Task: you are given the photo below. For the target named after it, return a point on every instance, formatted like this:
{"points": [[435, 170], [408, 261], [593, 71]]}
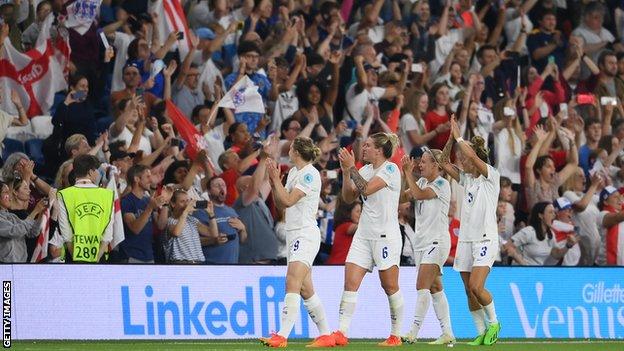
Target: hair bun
{"points": [[478, 141]]}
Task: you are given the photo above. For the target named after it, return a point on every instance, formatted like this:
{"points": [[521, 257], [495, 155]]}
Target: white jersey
{"points": [[478, 215], [432, 223], [379, 219], [303, 213]]}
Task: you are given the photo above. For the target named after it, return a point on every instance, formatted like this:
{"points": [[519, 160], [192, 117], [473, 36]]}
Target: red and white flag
{"points": [[37, 74], [118, 229], [41, 249], [171, 18], [81, 14], [194, 140]]}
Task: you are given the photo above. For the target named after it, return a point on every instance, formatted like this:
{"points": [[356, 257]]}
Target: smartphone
{"points": [[585, 99], [175, 142], [563, 107], [201, 204], [231, 237], [509, 112], [417, 67], [551, 59], [608, 100], [331, 174], [180, 35], [79, 95], [140, 91]]}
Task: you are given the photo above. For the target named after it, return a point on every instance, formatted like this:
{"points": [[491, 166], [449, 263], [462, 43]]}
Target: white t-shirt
{"points": [[303, 213], [588, 229], [443, 47], [513, 25], [356, 103], [508, 160], [534, 252], [215, 138], [145, 145], [409, 123], [285, 106], [591, 37], [121, 42], [478, 215], [379, 219], [431, 216]]}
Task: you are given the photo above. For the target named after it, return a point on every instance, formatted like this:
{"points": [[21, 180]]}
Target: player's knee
{"points": [[306, 292], [474, 288], [435, 287], [390, 288]]}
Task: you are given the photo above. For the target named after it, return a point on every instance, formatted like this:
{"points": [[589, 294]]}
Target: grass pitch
{"points": [[359, 344]]}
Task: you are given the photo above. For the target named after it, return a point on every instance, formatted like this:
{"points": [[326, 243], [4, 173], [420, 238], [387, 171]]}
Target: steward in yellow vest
{"points": [[85, 216]]}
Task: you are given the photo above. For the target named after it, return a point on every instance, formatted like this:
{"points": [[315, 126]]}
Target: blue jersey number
{"points": [[384, 252], [483, 251]]}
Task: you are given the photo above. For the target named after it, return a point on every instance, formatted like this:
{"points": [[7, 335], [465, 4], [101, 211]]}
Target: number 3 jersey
{"points": [[379, 219], [303, 213], [478, 214], [432, 221]]}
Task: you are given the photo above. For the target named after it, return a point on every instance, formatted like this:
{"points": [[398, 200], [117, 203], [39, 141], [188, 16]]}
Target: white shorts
{"points": [[368, 253], [475, 254], [303, 245], [433, 254]]}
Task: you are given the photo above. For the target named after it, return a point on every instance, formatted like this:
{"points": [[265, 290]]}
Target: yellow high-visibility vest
{"points": [[89, 212]]}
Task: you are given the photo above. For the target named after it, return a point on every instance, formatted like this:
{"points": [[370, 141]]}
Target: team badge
{"points": [[390, 168], [307, 178]]}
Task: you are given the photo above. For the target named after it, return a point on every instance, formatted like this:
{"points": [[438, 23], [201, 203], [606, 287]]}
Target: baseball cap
{"points": [[606, 192], [562, 203], [205, 33], [417, 152]]}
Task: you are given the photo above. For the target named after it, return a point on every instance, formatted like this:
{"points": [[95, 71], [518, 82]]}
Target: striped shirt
{"points": [[186, 246]]}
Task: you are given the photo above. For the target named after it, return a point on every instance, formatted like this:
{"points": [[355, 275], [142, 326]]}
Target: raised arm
{"points": [[414, 190], [532, 157], [467, 150], [283, 198]]}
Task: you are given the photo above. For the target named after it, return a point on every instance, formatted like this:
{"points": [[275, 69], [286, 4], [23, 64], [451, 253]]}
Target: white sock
{"points": [[347, 308], [491, 312], [478, 317], [423, 298], [396, 312], [317, 313], [441, 308], [290, 313]]}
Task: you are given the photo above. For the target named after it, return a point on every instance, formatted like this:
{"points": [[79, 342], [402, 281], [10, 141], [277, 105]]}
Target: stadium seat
{"points": [[42, 126], [11, 146], [34, 150]]}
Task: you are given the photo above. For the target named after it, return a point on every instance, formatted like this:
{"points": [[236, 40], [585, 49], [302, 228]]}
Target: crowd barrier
{"points": [[228, 302]]}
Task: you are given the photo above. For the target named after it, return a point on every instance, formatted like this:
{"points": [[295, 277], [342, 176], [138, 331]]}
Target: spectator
{"points": [[80, 231], [187, 92], [611, 216], [606, 84], [185, 234], [232, 231], [595, 37], [546, 42], [345, 224], [214, 134], [133, 87], [542, 181], [261, 245], [585, 206], [139, 210], [14, 230], [31, 33], [533, 245], [439, 114], [249, 55], [565, 232], [75, 115], [593, 133], [412, 125], [509, 139]]}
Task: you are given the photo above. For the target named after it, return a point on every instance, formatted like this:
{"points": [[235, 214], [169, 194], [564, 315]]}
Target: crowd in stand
{"points": [[540, 81]]}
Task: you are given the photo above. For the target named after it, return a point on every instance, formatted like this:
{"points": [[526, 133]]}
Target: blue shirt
{"points": [[159, 80], [228, 252], [584, 154], [139, 245], [251, 119]]}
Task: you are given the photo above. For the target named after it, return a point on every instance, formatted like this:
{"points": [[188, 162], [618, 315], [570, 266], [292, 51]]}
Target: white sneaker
{"points": [[444, 339], [409, 339]]}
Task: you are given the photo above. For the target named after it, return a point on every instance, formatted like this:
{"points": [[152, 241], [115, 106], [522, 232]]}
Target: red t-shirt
{"points": [[230, 177], [342, 243], [432, 120]]}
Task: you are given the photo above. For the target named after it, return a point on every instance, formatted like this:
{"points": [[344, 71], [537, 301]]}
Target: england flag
{"points": [[243, 97]]}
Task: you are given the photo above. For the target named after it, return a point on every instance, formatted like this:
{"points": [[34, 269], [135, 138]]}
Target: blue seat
{"points": [[11, 146], [34, 149]]}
